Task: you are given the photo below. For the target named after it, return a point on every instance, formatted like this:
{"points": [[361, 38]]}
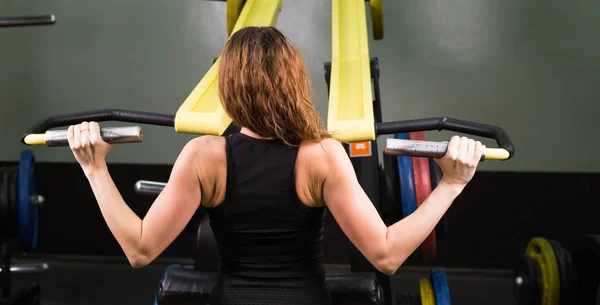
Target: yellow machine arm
{"points": [[201, 112], [350, 115]]}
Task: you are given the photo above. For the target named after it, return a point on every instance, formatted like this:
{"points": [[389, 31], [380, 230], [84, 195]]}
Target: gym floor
{"points": [[111, 281]]}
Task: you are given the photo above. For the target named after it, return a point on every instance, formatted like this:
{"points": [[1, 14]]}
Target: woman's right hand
{"points": [[461, 160]]}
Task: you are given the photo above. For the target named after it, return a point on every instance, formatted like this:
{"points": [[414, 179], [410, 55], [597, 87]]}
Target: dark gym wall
{"points": [[529, 67]]}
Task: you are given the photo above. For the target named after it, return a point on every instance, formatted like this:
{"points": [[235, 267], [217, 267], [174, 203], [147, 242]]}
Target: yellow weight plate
{"points": [[541, 251], [543, 269], [426, 292], [234, 8], [377, 18]]}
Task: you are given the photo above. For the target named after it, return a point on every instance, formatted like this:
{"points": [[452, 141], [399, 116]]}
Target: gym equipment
{"points": [[395, 146], [422, 185], [350, 113], [548, 274], [389, 185], [234, 8], [440, 286], [39, 133], [433, 290], [407, 182], [435, 149], [540, 250], [19, 202], [27, 211], [351, 116], [376, 18], [354, 117], [111, 135], [22, 21], [566, 271], [526, 273], [426, 292], [185, 285], [586, 256], [146, 187], [200, 113]]}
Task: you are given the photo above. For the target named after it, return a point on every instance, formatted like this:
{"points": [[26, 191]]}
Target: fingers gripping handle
{"points": [[111, 135], [430, 149]]}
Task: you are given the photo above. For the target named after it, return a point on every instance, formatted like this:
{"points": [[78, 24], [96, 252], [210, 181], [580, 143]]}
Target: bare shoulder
{"points": [[207, 145], [314, 163], [208, 153], [211, 167], [325, 151]]}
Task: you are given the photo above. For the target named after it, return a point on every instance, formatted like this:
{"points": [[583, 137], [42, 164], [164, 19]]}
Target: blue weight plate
{"points": [[408, 197], [439, 282], [28, 212]]}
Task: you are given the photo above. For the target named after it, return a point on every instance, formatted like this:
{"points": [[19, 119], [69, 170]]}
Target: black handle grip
{"points": [[6, 22], [138, 117], [439, 124]]}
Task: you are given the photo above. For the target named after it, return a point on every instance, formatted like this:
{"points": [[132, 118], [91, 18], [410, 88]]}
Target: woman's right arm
{"points": [[385, 247]]}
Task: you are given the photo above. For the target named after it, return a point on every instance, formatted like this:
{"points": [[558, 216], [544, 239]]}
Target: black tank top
{"points": [[270, 244]]}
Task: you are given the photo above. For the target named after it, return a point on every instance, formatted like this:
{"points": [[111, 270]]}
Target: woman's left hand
{"points": [[88, 147]]}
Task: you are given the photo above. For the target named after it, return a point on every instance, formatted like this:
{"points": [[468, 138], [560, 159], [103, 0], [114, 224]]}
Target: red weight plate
{"points": [[422, 190]]}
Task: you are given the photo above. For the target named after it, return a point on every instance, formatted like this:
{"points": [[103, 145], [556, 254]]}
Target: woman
{"points": [[266, 188]]}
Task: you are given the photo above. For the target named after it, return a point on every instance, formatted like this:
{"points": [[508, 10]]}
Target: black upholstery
{"points": [[182, 285]]}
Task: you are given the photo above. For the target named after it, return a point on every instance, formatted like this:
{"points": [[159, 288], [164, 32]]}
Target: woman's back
{"points": [[270, 243]]}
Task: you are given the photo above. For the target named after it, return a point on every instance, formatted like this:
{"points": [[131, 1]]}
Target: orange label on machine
{"points": [[360, 149]]}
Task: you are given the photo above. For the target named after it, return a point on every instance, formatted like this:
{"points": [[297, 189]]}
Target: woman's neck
{"points": [[251, 133]]}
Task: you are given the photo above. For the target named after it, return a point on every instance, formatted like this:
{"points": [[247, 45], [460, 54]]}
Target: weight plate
{"points": [[541, 251], [407, 185], [408, 197], [426, 292], [440, 286], [391, 192], [571, 289], [586, 256], [422, 181], [526, 284], [564, 271], [435, 172], [544, 298], [376, 18], [27, 212], [234, 8], [392, 189]]}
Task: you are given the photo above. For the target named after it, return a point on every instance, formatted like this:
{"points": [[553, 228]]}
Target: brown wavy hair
{"points": [[263, 86]]}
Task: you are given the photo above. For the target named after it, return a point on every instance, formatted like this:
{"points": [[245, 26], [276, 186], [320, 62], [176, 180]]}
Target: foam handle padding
{"points": [[184, 285]]}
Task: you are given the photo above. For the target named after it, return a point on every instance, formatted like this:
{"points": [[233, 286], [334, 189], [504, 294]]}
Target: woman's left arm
{"points": [[142, 240]]}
